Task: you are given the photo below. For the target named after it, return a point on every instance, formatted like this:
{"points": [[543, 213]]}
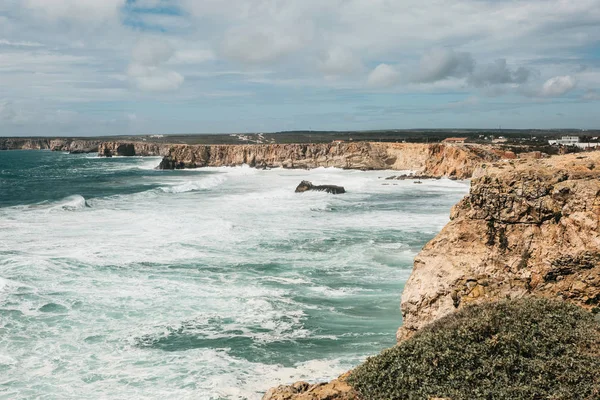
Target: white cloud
{"points": [[591, 95], [146, 69], [383, 76], [498, 72], [73, 51], [263, 44], [340, 61], [558, 86], [440, 64], [81, 11], [5, 42], [192, 56], [7, 112]]}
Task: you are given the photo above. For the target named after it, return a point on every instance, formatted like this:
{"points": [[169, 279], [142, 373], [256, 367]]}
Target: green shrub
{"points": [[521, 349]]}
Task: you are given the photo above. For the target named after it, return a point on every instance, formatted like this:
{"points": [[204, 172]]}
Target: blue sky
{"points": [[92, 67]]}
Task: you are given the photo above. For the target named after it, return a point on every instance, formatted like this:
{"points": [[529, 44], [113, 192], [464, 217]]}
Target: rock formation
{"points": [[457, 161], [337, 389], [68, 145], [306, 185], [128, 149], [527, 228], [24, 144], [436, 160]]}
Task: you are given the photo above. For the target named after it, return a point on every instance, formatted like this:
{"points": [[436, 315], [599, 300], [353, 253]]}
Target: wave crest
{"points": [[192, 186]]}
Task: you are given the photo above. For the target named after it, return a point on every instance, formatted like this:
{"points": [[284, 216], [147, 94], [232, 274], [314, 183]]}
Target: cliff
{"points": [[527, 228], [118, 148], [68, 145], [24, 144], [457, 161]]}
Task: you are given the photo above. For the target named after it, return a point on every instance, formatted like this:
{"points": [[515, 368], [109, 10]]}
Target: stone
{"points": [[305, 186]]}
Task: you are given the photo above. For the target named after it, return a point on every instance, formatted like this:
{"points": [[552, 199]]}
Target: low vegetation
{"points": [[521, 349]]}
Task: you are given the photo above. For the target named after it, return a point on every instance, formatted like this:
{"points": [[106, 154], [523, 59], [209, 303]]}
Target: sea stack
{"points": [[306, 186]]}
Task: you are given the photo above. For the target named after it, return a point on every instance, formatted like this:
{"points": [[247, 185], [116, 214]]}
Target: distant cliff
{"points": [[450, 160], [457, 161], [24, 144], [69, 145]]}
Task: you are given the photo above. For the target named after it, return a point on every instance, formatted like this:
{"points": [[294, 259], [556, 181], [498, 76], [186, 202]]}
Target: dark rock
{"points": [[306, 185], [126, 149], [412, 176], [169, 163]]}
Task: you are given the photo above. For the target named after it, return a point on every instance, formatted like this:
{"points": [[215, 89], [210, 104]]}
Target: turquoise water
{"points": [[120, 281]]}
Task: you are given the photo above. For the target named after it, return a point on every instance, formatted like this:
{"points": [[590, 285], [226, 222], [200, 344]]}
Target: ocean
{"points": [[119, 281]]}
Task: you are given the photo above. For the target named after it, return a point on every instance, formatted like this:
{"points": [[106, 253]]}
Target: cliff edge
{"points": [[457, 161], [527, 228]]}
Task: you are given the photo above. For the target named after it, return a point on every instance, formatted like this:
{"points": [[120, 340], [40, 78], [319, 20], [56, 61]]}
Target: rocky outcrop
{"points": [[306, 186], [431, 159], [128, 149], [68, 145], [74, 146], [527, 228], [24, 144], [337, 389]]}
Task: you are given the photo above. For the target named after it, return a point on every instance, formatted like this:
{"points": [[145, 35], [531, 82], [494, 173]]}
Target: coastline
{"points": [[436, 160], [526, 229]]}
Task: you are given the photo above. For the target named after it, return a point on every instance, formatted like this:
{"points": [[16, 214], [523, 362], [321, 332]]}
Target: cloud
{"points": [[440, 64], [7, 112], [146, 71], [383, 76], [591, 95], [4, 42], [339, 61], [263, 44], [497, 73], [192, 56], [558, 86], [80, 11]]}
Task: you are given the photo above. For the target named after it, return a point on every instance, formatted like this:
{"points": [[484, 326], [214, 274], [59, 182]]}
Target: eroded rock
{"points": [[305, 186], [527, 228]]}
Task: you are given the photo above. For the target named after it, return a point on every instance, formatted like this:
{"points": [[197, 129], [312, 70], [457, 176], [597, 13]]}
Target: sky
{"points": [[114, 67]]}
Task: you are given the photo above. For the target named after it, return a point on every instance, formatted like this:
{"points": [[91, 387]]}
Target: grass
{"points": [[520, 349]]}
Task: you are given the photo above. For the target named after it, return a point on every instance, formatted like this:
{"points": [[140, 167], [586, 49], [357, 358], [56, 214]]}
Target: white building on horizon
{"points": [[572, 141]]}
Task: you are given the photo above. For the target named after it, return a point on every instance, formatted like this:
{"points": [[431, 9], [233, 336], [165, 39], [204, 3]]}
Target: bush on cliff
{"points": [[522, 349]]}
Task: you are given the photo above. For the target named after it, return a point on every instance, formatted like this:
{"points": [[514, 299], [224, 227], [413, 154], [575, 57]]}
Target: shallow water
{"points": [[120, 281]]}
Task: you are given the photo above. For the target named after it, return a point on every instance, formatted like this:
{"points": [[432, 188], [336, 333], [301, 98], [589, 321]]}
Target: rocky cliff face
{"points": [[527, 228], [437, 159], [24, 144], [74, 146], [109, 149], [69, 145]]}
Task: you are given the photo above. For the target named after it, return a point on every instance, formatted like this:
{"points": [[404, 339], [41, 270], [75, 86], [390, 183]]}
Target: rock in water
{"points": [[306, 185]]}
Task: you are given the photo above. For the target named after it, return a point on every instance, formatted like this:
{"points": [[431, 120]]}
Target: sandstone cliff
{"points": [[433, 159], [24, 144], [118, 148], [528, 227], [69, 145]]}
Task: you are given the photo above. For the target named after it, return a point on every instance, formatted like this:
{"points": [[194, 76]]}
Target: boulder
{"points": [[306, 185]]}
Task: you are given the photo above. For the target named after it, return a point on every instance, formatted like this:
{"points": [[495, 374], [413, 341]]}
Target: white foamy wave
{"points": [[70, 203], [149, 163], [191, 186]]}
